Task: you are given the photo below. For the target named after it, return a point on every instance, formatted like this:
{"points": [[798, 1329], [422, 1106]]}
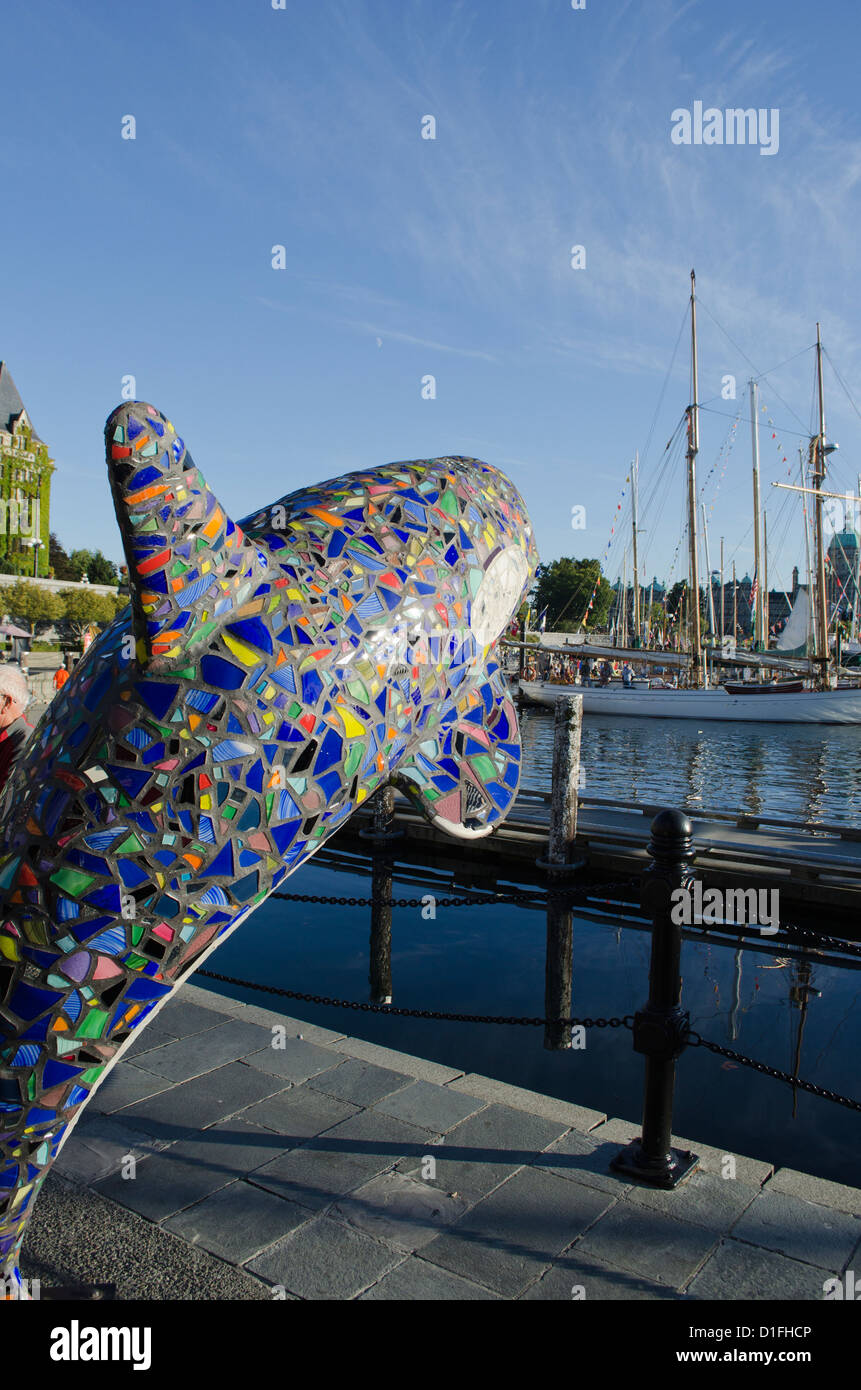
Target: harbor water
{"points": [[794, 772], [491, 959]]}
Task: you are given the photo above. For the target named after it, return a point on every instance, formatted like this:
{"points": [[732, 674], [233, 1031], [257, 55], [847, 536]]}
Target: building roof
{"points": [[11, 404]]}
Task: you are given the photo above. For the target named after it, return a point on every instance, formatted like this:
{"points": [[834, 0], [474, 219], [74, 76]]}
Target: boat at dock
{"points": [[815, 688], [757, 706]]}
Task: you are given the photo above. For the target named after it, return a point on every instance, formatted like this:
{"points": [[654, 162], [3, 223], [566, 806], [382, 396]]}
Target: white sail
{"points": [[795, 634]]}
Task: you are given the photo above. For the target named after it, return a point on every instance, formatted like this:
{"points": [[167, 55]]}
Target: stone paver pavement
{"points": [[238, 1153]]}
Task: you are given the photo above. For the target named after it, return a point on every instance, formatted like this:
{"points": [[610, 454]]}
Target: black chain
{"points": [[626, 1022], [694, 1040], [837, 943], [597, 891]]}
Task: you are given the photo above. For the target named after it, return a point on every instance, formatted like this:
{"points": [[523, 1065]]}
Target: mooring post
{"points": [[559, 862], [521, 655], [565, 786], [558, 975], [380, 974], [661, 1027]]}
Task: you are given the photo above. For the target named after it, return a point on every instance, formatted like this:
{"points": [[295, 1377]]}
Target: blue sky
{"points": [[451, 257]]}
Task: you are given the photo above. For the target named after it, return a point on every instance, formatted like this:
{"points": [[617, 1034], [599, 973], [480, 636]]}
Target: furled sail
{"points": [[794, 638]]}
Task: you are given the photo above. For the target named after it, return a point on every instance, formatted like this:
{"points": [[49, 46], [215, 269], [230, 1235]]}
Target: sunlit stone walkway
{"points": [[331, 1168]]}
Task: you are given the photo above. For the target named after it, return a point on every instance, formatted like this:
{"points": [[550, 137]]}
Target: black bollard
{"points": [[660, 1028]]}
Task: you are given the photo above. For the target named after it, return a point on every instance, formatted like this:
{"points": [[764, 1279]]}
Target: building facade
{"points": [[25, 486], [842, 575]]}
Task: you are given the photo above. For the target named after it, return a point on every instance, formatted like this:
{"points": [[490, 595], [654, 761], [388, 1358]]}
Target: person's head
{"points": [[14, 695]]}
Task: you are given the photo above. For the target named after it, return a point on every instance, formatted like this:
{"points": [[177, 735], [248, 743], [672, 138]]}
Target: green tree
{"points": [[82, 607], [675, 600], [96, 566], [102, 570], [564, 588], [31, 604], [58, 560]]}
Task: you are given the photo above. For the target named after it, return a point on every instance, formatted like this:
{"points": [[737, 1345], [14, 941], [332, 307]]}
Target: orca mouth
{"points": [[497, 594]]}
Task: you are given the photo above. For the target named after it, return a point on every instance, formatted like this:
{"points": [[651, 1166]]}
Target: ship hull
{"points": [[804, 707]]}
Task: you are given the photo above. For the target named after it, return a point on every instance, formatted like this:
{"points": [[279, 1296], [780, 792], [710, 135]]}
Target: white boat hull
{"points": [[806, 707]]}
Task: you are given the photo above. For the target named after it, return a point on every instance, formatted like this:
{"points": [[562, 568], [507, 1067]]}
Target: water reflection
{"points": [[795, 1013], [792, 771]]}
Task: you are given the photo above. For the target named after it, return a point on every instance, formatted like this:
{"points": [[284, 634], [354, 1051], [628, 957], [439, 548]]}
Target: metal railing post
{"points": [[661, 1027], [383, 829]]}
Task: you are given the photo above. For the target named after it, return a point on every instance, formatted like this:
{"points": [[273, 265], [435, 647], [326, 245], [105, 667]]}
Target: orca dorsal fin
{"points": [[190, 565]]}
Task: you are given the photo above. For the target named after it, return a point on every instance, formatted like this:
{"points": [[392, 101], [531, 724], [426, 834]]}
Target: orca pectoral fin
{"points": [[465, 779], [190, 566]]}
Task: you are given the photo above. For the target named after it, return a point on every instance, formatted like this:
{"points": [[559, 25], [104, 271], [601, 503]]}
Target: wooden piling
{"points": [[380, 955], [558, 976], [566, 782]]}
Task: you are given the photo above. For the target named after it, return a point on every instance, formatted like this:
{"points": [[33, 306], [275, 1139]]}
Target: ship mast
{"points": [[757, 559], [857, 595], [695, 636], [818, 449], [635, 474]]}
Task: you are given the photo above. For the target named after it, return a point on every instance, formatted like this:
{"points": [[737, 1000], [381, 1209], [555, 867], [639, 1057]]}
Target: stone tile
{"points": [[580, 1157], [437, 1108], [296, 1027], [647, 1243], [124, 1085], [416, 1281], [704, 1200], [182, 1016], [803, 1230], [178, 1018], [233, 1147], [296, 1061], [149, 1038], [486, 1148], [325, 1260], [299, 1113], [210, 998], [489, 1089], [417, 1067], [810, 1189], [237, 1222], [343, 1158], [362, 1083], [747, 1273], [403, 1213], [199, 1053], [579, 1277], [163, 1185], [507, 1240], [753, 1171], [98, 1145], [179, 1111]]}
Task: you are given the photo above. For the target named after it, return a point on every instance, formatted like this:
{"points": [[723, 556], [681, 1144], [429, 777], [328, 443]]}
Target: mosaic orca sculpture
{"points": [[266, 679]]}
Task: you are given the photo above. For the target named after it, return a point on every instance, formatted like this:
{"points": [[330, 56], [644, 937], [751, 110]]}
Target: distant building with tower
{"points": [[842, 574], [25, 486]]}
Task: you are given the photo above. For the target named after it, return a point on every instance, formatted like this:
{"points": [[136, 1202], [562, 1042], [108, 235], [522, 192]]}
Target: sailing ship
{"points": [[820, 699]]}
